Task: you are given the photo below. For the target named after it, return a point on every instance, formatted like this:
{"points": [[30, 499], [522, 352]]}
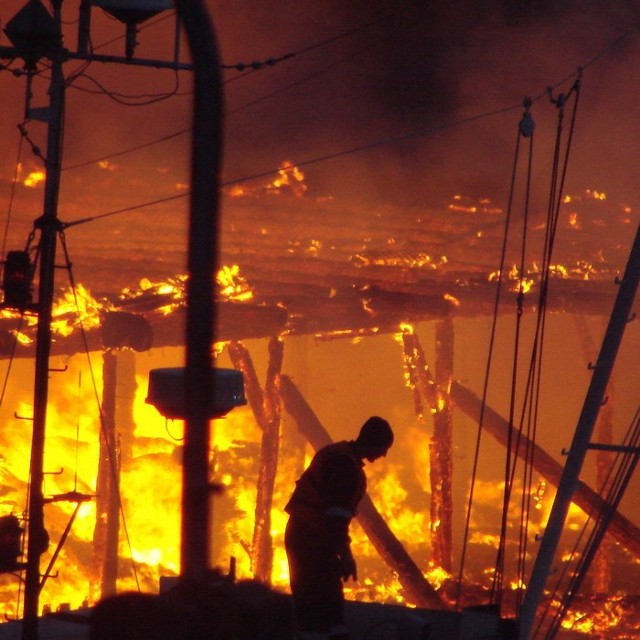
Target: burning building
{"points": [[333, 311]]}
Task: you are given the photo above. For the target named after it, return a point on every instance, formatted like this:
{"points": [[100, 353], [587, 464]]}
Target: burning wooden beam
{"points": [[621, 529], [391, 550], [440, 447], [105, 535], [438, 403], [266, 409]]}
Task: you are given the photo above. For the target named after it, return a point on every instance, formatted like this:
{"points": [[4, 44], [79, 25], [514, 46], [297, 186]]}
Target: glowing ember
{"points": [[464, 204], [172, 291], [75, 309], [34, 178], [411, 261], [289, 178], [170, 294], [107, 166], [232, 285]]}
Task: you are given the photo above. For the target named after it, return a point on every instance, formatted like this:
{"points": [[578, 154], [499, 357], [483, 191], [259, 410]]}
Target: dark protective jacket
{"points": [[327, 494]]}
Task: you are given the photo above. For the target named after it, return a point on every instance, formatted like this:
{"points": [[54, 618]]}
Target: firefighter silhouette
{"points": [[317, 540]]}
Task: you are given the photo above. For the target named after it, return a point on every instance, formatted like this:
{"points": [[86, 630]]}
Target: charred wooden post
{"points": [[424, 384], [266, 409], [621, 529], [440, 451], [391, 550], [419, 372], [125, 398], [105, 537]]}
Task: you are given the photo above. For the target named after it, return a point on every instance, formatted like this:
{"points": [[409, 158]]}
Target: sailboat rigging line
{"points": [[627, 462], [528, 464], [510, 453], [492, 337], [532, 393], [611, 342], [112, 454], [622, 468]]}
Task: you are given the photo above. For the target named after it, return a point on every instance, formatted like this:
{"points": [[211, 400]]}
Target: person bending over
{"points": [[317, 540]]}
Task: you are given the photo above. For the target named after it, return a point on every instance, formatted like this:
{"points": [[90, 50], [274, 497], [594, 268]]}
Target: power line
{"points": [[304, 163], [249, 68], [382, 142], [230, 112], [126, 151], [130, 100]]}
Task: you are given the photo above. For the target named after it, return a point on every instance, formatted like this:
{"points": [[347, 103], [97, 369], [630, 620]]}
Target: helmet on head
{"points": [[376, 432]]}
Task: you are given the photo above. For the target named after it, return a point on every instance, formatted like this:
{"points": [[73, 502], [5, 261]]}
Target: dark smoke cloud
{"points": [[370, 71], [421, 65]]}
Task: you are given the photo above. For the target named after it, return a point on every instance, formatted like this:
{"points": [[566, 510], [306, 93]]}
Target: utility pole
{"points": [[36, 33], [206, 155], [38, 539]]}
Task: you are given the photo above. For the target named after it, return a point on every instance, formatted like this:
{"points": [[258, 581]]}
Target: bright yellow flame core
{"points": [[34, 179]]}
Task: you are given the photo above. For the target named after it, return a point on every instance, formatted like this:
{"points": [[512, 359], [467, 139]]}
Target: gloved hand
{"points": [[346, 563]]}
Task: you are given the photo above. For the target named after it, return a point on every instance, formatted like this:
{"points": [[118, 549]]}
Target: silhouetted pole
{"points": [[106, 531], [206, 156], [48, 224]]}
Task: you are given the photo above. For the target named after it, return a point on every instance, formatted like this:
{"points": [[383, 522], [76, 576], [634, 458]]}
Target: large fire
{"points": [[150, 485], [151, 471]]}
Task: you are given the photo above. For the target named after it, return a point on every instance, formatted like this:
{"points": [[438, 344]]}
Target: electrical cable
{"points": [[332, 156], [228, 113], [12, 196], [129, 100], [305, 163], [610, 47], [258, 100]]}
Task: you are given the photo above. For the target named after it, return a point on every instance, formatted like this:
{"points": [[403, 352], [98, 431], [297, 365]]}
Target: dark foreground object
{"points": [[245, 610]]}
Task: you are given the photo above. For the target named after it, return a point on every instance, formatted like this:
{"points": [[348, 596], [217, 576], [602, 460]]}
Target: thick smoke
{"points": [[410, 67]]}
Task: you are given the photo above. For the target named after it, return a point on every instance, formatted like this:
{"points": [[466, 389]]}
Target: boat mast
{"points": [[620, 315]]}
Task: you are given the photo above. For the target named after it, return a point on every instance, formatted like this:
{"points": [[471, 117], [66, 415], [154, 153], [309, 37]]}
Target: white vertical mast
{"points": [[582, 436]]}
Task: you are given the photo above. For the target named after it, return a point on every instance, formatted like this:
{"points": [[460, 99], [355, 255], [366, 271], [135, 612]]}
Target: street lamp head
{"points": [[168, 394], [132, 13]]}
